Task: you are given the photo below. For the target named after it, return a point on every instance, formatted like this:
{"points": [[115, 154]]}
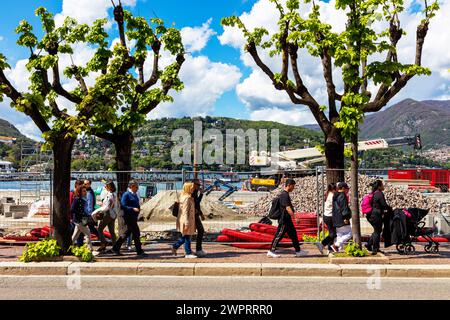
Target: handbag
{"points": [[175, 207]]}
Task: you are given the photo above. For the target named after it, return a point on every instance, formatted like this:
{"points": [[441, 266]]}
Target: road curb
{"points": [[222, 269]]}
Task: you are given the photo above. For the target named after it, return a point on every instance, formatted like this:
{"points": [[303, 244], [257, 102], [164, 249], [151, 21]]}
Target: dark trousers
{"points": [[376, 221], [285, 225], [200, 232], [132, 228], [331, 231]]}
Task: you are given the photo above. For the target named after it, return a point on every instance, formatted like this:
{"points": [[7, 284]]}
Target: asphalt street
{"points": [[216, 288]]}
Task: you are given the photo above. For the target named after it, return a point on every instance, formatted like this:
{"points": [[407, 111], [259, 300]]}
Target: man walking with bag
{"points": [[199, 217], [285, 222]]}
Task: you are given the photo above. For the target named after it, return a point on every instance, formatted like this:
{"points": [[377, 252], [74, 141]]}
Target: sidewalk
{"points": [[224, 260]]}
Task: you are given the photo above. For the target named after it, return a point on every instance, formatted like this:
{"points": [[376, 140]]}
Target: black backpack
{"points": [[275, 210]]}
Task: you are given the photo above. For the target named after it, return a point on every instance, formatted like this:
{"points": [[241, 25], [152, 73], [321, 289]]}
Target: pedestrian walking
{"points": [[199, 217], [328, 219], [131, 208], [285, 222], [109, 208], [80, 216], [341, 216], [186, 220], [376, 216]]}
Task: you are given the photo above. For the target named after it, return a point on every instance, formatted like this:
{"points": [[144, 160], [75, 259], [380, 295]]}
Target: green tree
{"points": [[58, 127], [135, 98], [355, 51]]}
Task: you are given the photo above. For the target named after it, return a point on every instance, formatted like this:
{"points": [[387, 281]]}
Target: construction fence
{"points": [[232, 200]]}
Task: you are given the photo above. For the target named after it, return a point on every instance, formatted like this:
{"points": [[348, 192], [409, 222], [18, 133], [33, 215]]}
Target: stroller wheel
{"points": [[428, 248], [401, 248], [435, 249], [410, 249]]}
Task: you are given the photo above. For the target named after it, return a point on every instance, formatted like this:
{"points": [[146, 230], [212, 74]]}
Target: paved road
{"points": [[175, 288]]}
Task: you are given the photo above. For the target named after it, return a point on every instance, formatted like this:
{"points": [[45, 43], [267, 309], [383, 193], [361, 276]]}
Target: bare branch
{"points": [[166, 86], [386, 93], [118, 16], [59, 89], [156, 46]]}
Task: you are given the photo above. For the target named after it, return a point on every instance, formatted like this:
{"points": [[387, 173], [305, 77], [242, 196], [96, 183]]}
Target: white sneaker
{"points": [[271, 254], [319, 246], [301, 253], [190, 256], [200, 253]]}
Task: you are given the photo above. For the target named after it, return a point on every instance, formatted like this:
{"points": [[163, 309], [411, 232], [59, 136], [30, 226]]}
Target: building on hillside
{"points": [[6, 167], [8, 140]]}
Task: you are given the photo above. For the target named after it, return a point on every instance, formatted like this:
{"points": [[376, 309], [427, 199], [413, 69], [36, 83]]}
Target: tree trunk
{"points": [[334, 154], [356, 227], [62, 156], [123, 143]]}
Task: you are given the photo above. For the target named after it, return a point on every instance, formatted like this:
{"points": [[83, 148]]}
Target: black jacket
{"points": [[341, 210], [197, 199], [379, 205], [399, 231]]}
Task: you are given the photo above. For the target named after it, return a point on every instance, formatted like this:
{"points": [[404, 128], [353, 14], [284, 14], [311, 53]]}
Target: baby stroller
{"points": [[407, 225]]}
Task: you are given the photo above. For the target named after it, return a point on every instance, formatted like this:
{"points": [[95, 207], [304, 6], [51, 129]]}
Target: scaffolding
{"points": [[35, 166]]}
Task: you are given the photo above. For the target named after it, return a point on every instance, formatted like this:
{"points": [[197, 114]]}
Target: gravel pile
{"points": [[158, 207], [304, 196]]}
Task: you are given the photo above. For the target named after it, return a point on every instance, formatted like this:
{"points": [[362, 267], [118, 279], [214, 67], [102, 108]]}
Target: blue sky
{"points": [[241, 91]]}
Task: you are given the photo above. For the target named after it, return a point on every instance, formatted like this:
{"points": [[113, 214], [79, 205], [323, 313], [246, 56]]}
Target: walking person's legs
{"points": [[281, 230], [331, 232], [344, 234], [101, 236], [76, 233], [187, 245], [87, 233], [200, 232], [111, 229]]}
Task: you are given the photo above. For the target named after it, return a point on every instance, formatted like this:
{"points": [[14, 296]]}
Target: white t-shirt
{"points": [[328, 211]]}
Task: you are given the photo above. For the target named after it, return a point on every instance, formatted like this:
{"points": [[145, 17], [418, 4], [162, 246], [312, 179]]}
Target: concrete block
{"points": [[104, 268], [33, 268], [361, 270], [166, 269], [300, 270], [18, 215], [8, 214], [19, 208], [419, 271], [227, 269]]}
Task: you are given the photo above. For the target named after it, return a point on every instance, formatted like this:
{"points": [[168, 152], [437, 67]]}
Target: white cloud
{"points": [[204, 83], [297, 116], [256, 90], [196, 38], [1, 38], [30, 130], [87, 11]]}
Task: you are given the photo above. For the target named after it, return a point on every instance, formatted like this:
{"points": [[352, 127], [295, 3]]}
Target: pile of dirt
{"points": [[157, 208]]}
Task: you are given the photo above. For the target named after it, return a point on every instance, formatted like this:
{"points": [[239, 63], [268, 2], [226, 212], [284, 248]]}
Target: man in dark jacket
{"points": [[285, 223], [341, 216], [131, 208], [198, 195]]}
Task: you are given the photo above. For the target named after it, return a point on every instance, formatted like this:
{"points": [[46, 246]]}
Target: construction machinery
{"points": [[301, 159]]}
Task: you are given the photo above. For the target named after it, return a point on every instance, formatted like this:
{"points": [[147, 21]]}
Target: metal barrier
{"points": [[27, 189], [26, 201]]}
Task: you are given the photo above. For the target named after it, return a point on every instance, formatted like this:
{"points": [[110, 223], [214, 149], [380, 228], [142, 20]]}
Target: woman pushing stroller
{"points": [[376, 216]]}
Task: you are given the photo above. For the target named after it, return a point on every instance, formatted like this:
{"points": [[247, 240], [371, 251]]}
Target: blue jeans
{"points": [[187, 244]]}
